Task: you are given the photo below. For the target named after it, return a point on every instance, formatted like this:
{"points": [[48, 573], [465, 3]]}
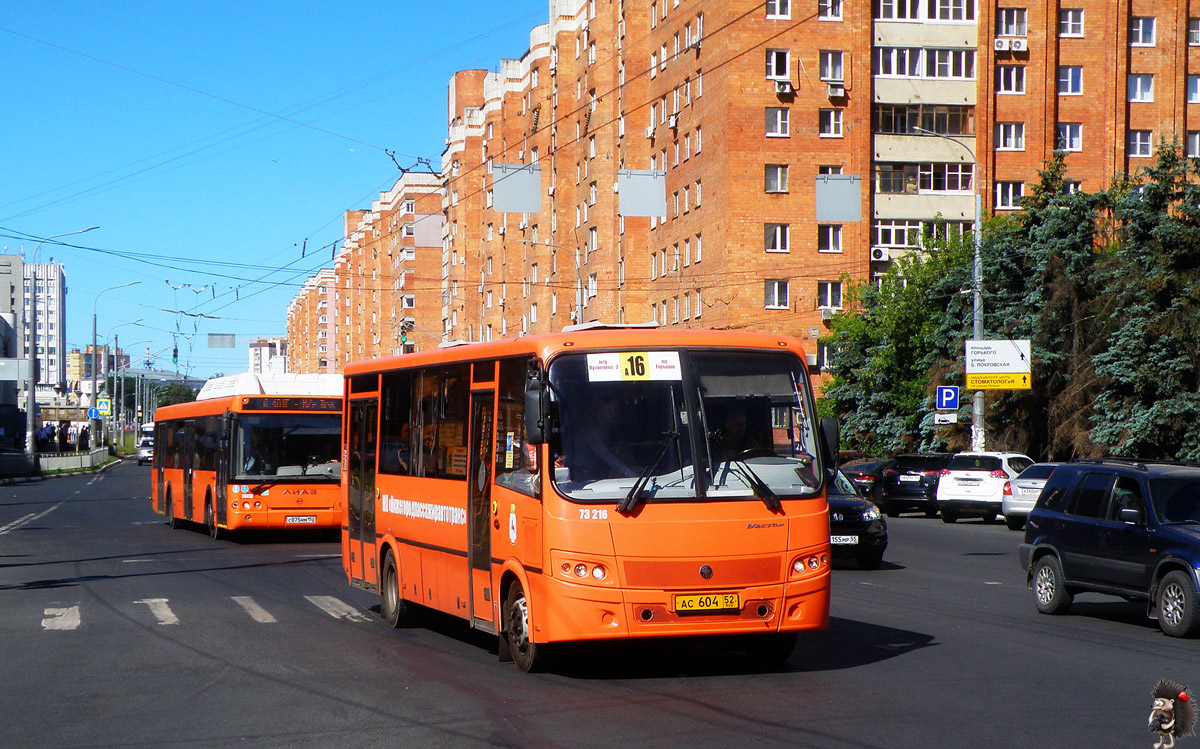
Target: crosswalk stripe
{"points": [[162, 612], [256, 612], [337, 609], [61, 618]]}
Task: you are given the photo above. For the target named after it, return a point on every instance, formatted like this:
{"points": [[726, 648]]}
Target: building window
{"points": [[775, 178], [1193, 144], [1010, 22], [1140, 143], [952, 10], [777, 64], [829, 169], [1070, 136], [950, 63], [1070, 22], [1193, 32], [898, 62], [1008, 194], [1010, 136], [829, 294], [829, 10], [779, 9], [829, 238], [1141, 87], [1141, 31], [829, 123], [776, 237], [775, 294], [944, 119], [1070, 80], [830, 65], [897, 10], [777, 124], [1010, 79], [1193, 89]]}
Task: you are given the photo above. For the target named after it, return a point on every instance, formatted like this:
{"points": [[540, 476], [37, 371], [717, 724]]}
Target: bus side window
{"points": [[451, 449], [518, 466], [395, 428]]}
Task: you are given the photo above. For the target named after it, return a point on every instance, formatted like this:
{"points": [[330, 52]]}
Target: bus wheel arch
{"points": [[517, 621], [394, 609]]}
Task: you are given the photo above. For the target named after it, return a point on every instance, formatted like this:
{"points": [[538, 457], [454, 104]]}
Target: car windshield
{"points": [[683, 426], [920, 463], [282, 445], [146, 442], [1176, 499], [1038, 471], [974, 463]]}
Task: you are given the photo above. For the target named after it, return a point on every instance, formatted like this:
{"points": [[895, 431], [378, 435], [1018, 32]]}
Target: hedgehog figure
{"points": [[1173, 714]]}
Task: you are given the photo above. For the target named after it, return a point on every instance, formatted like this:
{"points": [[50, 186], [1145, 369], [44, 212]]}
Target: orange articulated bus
{"points": [[601, 483], [251, 452]]}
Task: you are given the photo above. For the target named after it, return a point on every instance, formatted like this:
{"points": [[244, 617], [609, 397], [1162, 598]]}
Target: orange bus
{"points": [[599, 483], [252, 451]]}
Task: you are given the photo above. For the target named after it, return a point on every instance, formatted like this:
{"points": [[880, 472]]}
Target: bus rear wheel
{"points": [[395, 610], [172, 521], [210, 521], [528, 655]]}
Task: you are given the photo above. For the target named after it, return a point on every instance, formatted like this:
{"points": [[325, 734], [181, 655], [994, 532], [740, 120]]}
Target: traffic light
{"points": [[404, 328], [175, 355]]}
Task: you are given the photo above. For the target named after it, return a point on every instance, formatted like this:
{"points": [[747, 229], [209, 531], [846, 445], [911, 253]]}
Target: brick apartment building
{"points": [[746, 107]]}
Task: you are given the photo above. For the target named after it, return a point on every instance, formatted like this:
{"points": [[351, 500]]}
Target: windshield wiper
{"points": [[756, 484], [635, 494]]}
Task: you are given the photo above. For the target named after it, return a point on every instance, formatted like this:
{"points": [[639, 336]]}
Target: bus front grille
{"points": [[663, 574]]}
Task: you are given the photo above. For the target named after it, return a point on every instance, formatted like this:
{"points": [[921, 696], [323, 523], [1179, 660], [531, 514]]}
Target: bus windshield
{"points": [[283, 445], [668, 425]]}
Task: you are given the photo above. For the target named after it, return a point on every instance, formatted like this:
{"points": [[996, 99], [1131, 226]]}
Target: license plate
{"points": [[301, 519], [843, 540], [910, 478], [708, 602]]}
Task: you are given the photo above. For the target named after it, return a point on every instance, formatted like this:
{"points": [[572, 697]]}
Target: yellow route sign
{"points": [[999, 381]]}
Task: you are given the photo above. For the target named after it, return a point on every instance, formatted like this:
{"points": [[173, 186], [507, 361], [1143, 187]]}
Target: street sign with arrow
{"points": [[998, 365]]}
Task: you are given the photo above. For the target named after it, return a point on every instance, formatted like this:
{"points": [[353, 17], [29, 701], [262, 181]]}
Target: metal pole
{"points": [[31, 351], [92, 422]]}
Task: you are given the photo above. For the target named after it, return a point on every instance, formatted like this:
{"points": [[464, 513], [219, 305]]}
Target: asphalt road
{"points": [[117, 631]]}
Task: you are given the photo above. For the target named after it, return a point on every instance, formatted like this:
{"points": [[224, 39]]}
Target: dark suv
{"points": [[1120, 527], [911, 481]]}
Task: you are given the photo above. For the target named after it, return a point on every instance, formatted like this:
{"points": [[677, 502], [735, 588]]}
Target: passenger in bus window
{"points": [[593, 458], [256, 462]]}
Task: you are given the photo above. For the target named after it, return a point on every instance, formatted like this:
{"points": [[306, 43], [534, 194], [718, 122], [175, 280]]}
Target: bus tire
{"points": [[528, 655], [210, 521], [172, 521], [396, 611]]}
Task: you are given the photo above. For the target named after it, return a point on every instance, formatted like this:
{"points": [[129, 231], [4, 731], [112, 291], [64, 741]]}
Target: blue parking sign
{"points": [[947, 396]]}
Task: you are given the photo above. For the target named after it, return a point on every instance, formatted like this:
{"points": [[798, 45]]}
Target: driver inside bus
{"points": [[733, 438], [593, 457], [256, 462]]}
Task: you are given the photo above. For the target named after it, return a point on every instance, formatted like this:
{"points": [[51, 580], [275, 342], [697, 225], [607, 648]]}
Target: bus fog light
{"points": [[581, 570], [247, 517], [598, 572], [257, 505], [235, 505], [566, 568], [824, 559]]}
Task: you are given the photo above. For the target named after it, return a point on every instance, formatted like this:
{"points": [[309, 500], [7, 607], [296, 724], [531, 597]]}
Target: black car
{"points": [[856, 528], [867, 476], [910, 482], [1119, 527]]}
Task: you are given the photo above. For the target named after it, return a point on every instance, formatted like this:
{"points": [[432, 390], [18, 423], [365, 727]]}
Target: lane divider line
{"points": [[28, 519], [338, 609], [162, 612], [256, 612]]}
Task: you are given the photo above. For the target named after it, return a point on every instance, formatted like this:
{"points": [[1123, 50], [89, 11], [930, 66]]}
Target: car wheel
{"points": [[892, 512], [396, 611], [931, 512], [528, 655], [1049, 588], [990, 517], [1178, 613], [870, 559], [1014, 522], [948, 517]]}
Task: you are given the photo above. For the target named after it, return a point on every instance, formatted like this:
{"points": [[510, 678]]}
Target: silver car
{"points": [[1026, 488], [145, 450]]}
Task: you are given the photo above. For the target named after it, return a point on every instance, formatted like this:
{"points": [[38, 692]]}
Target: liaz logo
{"points": [[295, 492]]}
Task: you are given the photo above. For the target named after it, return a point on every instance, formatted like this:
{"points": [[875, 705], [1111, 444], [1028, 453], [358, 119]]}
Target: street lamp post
{"points": [[95, 353], [978, 429], [31, 326], [117, 398]]}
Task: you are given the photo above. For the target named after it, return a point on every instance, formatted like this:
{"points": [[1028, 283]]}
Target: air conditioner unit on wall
{"points": [[811, 359], [784, 87], [826, 314], [650, 132], [835, 90], [1000, 45], [1019, 45], [673, 122], [880, 254]]}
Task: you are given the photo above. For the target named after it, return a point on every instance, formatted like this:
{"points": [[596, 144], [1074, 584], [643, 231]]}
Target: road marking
{"points": [[28, 519], [989, 582], [133, 561], [65, 618], [337, 609], [256, 612], [162, 612]]}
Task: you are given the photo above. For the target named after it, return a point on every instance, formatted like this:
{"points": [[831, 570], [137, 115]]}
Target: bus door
{"points": [[479, 510], [224, 461], [162, 438], [188, 459], [360, 492]]}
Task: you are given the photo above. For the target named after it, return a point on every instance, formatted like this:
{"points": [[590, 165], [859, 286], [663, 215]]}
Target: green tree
{"points": [[169, 395]]}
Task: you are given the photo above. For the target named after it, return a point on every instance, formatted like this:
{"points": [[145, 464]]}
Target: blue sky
{"points": [[209, 140]]}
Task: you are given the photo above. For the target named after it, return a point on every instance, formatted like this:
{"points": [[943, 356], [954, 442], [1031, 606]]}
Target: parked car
{"points": [[974, 484], [910, 482], [145, 450], [1025, 490], [845, 456], [1118, 527], [856, 528], [867, 476]]}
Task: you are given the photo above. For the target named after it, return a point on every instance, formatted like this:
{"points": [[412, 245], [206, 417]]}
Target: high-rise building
{"points": [[48, 281], [268, 355], [12, 321]]}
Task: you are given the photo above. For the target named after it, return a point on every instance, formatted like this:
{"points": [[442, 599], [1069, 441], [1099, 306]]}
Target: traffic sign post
{"points": [[998, 365], [947, 397], [104, 406], [93, 413]]}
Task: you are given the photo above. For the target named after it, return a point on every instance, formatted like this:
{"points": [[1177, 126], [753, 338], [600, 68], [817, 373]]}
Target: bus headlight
{"points": [[581, 570], [598, 572]]}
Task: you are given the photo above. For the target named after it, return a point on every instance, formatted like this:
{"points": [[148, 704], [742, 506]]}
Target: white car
{"points": [[146, 450], [974, 484], [1026, 488]]}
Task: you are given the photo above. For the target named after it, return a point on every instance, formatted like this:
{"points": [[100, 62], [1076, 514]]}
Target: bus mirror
{"points": [[535, 411], [830, 441]]}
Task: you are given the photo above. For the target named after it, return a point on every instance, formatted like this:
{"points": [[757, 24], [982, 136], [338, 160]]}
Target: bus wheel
{"points": [[210, 521], [172, 522], [396, 611], [528, 655]]}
